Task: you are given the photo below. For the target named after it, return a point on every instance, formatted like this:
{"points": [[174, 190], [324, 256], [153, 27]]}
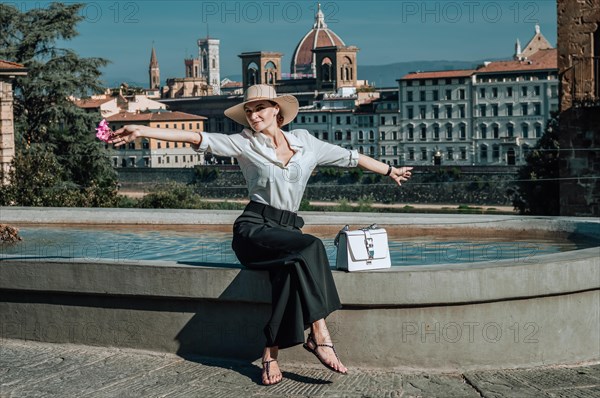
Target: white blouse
{"points": [[269, 181]]}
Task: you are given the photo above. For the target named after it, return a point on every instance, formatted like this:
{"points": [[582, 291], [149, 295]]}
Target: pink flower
{"points": [[103, 132]]}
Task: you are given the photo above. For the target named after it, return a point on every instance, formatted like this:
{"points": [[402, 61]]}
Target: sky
{"points": [[385, 31]]}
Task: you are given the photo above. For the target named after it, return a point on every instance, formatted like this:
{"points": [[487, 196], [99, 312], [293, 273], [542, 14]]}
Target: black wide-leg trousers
{"points": [[303, 290]]}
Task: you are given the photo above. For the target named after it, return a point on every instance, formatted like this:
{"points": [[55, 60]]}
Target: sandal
{"points": [[267, 368], [316, 353]]}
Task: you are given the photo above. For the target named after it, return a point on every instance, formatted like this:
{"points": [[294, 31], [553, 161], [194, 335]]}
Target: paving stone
{"points": [[552, 378], [30, 369], [592, 392], [443, 386], [501, 385]]}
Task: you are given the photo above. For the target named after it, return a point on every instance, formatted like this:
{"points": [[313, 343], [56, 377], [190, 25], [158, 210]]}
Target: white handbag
{"points": [[363, 249]]}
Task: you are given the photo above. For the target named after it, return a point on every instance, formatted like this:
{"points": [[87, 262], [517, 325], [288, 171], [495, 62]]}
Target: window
{"points": [[145, 144], [176, 159], [510, 130], [411, 133], [158, 145], [537, 109], [494, 109], [348, 120], [461, 111], [436, 112], [494, 92], [325, 136], [482, 93], [536, 90], [411, 154], [348, 135], [461, 94], [483, 129], [483, 153], [509, 109], [449, 132], [449, 111], [159, 160], [131, 145], [175, 144], [509, 91], [394, 120], [371, 136], [496, 130], [409, 112], [338, 120], [316, 134], [383, 136], [323, 119], [382, 151], [422, 112], [448, 81], [168, 159], [421, 82], [524, 109], [495, 152], [423, 154], [382, 120], [462, 132], [422, 95], [436, 95], [524, 91], [436, 132], [303, 119], [450, 153], [482, 110], [448, 95], [338, 135], [423, 133], [463, 153], [409, 96], [525, 130]]}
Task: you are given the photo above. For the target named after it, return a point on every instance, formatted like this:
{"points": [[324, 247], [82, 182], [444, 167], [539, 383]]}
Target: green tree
{"points": [[538, 186], [47, 122]]}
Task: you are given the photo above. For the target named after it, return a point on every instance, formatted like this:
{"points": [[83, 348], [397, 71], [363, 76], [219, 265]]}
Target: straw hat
{"points": [[263, 92]]}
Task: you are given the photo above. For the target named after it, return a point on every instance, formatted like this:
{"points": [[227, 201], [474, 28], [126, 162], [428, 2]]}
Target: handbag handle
{"points": [[336, 241]]}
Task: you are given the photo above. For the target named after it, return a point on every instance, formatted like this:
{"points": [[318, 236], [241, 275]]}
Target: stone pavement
{"points": [[32, 369]]}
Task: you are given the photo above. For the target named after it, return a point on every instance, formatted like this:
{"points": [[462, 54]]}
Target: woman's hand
{"points": [[401, 174], [126, 134]]}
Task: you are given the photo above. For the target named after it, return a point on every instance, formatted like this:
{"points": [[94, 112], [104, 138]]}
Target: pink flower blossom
{"points": [[103, 132]]}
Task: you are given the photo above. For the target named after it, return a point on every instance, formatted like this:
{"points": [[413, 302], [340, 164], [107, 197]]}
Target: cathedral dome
{"points": [[303, 60]]}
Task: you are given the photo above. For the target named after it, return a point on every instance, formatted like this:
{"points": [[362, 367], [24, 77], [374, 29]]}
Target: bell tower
{"points": [[154, 71]]}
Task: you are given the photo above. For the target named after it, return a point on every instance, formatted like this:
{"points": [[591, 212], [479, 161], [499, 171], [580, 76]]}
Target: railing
{"points": [[585, 83]]}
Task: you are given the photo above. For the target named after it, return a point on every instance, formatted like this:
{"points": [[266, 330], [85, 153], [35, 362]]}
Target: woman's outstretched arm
{"points": [[398, 174], [132, 131]]}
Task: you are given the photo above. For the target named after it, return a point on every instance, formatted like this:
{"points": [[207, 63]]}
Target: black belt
{"points": [[282, 217]]}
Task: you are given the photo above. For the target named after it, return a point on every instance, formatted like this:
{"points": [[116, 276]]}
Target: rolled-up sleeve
{"points": [[219, 144], [333, 155]]}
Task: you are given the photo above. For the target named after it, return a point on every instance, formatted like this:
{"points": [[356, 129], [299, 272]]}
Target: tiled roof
{"points": [[541, 60], [441, 74], [92, 103], [10, 65], [152, 117]]}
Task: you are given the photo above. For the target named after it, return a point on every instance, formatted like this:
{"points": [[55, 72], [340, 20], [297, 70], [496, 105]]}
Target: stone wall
{"points": [[444, 185], [7, 137], [578, 63]]}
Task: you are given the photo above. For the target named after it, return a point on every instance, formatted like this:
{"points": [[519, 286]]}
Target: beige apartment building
{"points": [[145, 152]]}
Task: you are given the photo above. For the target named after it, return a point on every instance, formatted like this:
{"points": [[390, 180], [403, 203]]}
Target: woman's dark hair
{"points": [[279, 116]]}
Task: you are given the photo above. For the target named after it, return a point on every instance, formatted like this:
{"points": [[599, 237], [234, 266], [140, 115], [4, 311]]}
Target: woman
{"points": [[267, 236]]}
